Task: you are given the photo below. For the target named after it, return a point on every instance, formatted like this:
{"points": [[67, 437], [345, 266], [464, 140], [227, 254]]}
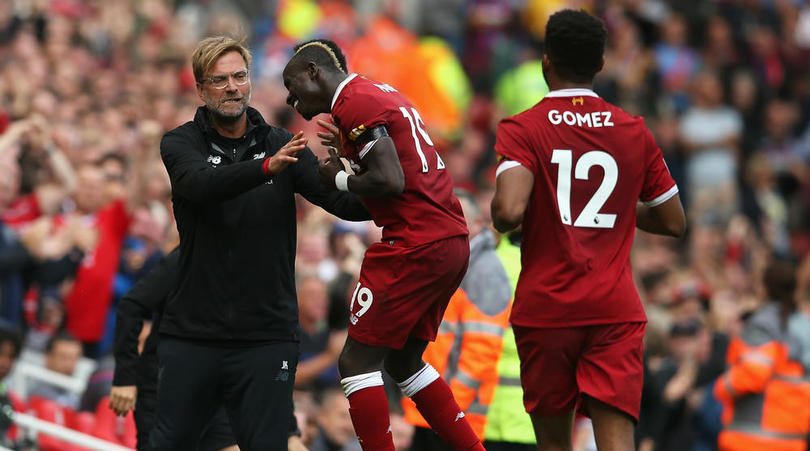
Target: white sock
{"points": [[353, 383], [419, 380]]}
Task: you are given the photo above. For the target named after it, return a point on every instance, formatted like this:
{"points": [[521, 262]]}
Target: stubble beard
{"points": [[225, 116]]}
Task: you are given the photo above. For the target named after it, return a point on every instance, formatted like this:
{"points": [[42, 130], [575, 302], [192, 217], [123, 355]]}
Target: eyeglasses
{"points": [[240, 78]]}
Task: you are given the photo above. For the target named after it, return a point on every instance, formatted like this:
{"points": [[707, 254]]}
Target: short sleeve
{"points": [[357, 111], [659, 186], [511, 142]]}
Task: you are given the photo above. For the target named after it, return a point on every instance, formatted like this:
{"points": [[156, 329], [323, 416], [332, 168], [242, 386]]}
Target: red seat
{"points": [[111, 427], [83, 422], [48, 410], [19, 405]]}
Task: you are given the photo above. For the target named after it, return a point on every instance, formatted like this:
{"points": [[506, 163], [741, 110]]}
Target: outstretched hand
{"points": [[287, 154], [329, 167]]}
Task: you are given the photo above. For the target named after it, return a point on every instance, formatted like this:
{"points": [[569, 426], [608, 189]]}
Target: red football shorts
{"points": [[403, 291], [558, 365]]}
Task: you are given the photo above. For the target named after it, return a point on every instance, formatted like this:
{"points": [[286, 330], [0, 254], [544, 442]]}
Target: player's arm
{"points": [[513, 188], [383, 176], [666, 218], [148, 295]]}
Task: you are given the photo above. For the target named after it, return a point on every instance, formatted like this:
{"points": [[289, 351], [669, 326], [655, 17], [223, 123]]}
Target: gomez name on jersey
{"points": [[594, 119]]}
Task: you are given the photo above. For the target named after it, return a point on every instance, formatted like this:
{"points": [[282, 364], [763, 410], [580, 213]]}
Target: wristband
{"points": [[342, 181], [266, 167]]}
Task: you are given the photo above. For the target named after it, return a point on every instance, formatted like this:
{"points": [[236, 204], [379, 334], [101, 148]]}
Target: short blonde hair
{"points": [[210, 49]]}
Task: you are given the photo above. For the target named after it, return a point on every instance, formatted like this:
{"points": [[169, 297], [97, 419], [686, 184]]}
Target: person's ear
{"points": [[200, 91], [312, 70]]}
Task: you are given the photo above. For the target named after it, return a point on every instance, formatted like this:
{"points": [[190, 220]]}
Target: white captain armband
{"points": [[342, 181], [505, 165]]}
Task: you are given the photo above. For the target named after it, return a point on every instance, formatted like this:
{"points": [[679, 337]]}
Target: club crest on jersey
{"points": [[354, 134], [578, 101], [214, 159]]}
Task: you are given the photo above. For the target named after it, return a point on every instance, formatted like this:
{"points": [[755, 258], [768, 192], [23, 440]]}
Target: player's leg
{"points": [[360, 369], [188, 393], [612, 428], [258, 384], [548, 362], [610, 375], [431, 394], [553, 432]]}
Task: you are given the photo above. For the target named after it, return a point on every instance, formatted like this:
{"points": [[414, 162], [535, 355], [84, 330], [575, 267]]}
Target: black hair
{"points": [[113, 156], [323, 52], [12, 335], [575, 44], [59, 336], [779, 280]]}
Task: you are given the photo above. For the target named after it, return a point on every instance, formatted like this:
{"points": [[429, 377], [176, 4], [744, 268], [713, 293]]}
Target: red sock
{"points": [[369, 412], [436, 403]]}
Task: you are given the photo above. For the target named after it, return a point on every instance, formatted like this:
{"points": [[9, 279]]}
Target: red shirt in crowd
{"points": [[22, 211], [88, 302], [591, 163]]}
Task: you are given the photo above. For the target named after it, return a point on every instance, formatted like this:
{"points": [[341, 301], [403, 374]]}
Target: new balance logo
{"points": [[459, 416], [258, 156], [284, 365]]}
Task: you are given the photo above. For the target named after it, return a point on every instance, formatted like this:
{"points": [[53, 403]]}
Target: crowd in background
{"points": [[88, 87]]}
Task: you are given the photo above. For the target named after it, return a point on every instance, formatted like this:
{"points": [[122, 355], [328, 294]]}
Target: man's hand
{"points": [[331, 138], [329, 167], [122, 399], [294, 443], [286, 154]]}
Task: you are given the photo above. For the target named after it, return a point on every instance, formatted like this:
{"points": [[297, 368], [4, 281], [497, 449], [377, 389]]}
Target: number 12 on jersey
{"points": [[590, 216]]}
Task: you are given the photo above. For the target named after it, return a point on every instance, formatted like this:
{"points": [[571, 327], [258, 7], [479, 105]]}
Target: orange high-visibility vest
{"points": [[765, 392], [467, 348]]}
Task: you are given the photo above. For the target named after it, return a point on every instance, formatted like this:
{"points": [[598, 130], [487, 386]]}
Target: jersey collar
{"points": [[340, 88], [573, 92]]}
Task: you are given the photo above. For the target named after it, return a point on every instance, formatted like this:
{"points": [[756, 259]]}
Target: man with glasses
{"points": [[228, 332]]}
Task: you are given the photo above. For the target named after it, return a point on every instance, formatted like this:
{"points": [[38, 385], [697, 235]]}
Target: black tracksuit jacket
{"points": [[237, 227]]}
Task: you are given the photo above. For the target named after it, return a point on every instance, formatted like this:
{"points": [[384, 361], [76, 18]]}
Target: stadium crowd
{"points": [[88, 88]]}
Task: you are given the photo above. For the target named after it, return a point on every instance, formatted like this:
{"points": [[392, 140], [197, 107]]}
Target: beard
{"points": [[215, 108]]}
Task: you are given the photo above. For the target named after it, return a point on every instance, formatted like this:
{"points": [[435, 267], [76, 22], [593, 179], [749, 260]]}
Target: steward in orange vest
{"points": [[766, 391]]}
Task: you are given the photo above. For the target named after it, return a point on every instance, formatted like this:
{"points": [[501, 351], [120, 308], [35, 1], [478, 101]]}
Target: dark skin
{"points": [[613, 428], [311, 89]]}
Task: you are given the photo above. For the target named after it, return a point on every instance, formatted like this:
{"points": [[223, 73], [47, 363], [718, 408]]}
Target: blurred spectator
{"points": [[10, 347], [90, 298], [335, 430], [61, 356], [710, 132], [765, 392], [676, 61], [320, 345], [509, 427]]}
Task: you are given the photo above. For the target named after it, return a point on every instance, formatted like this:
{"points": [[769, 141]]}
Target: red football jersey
{"points": [[591, 163], [427, 210]]}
